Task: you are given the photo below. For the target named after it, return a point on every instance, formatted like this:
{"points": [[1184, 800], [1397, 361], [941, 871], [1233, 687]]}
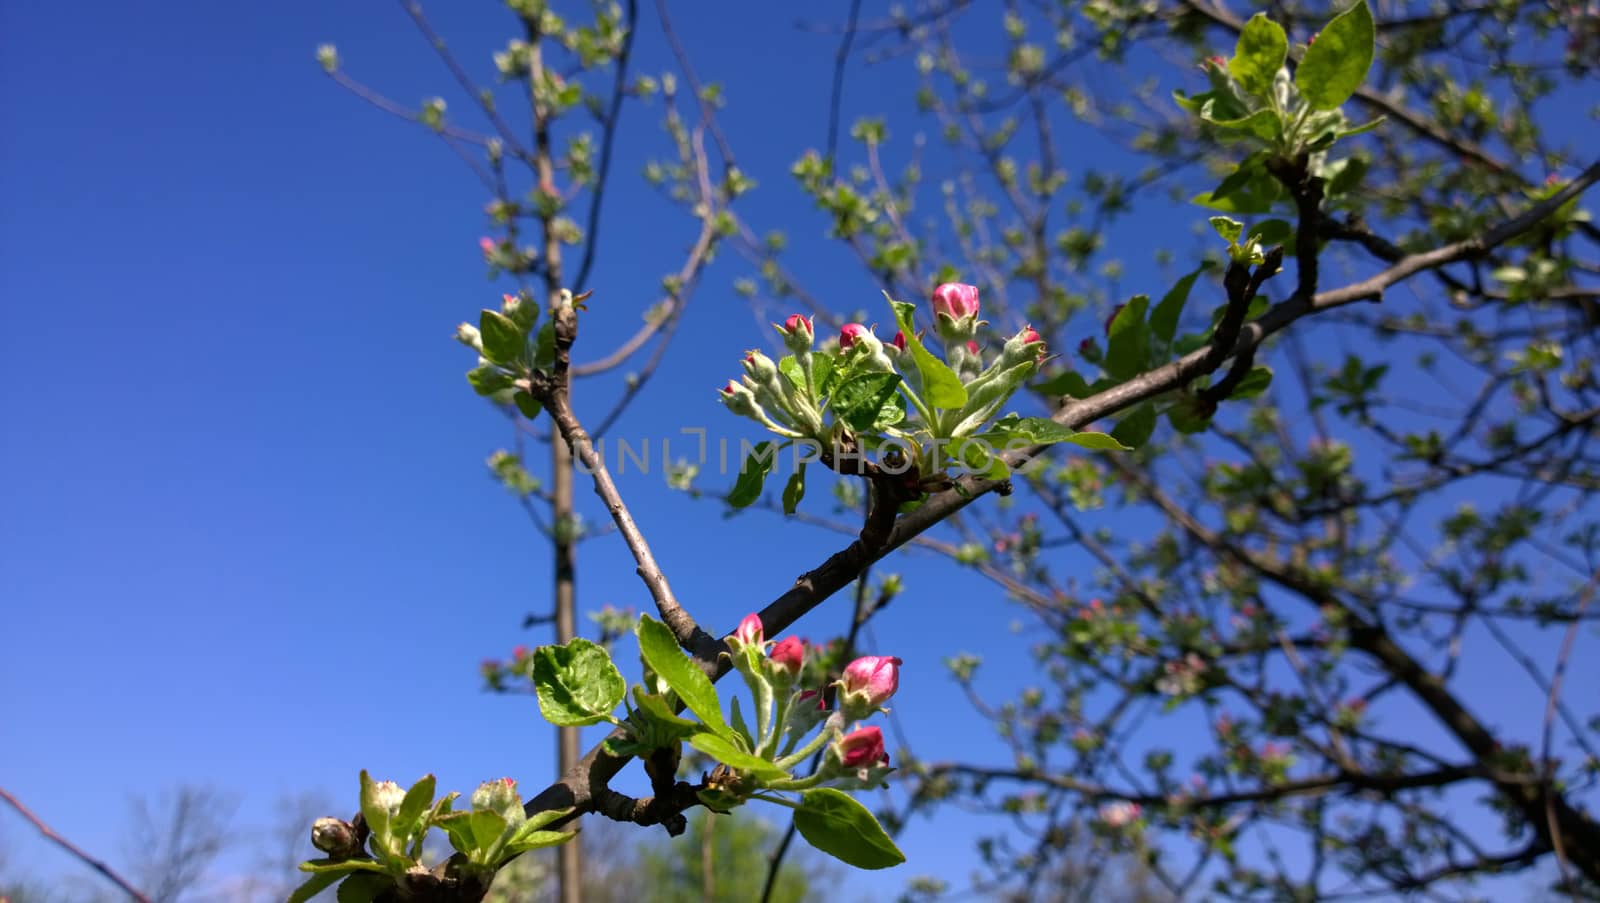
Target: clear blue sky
{"points": [[246, 537]]}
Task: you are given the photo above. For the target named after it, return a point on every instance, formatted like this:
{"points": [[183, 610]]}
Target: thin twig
{"points": [[76, 851]]}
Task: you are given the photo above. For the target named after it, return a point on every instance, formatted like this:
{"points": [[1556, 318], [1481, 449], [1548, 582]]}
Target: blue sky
{"points": [[246, 536]]}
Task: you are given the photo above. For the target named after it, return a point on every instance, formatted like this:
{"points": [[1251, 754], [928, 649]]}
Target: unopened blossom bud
{"points": [[809, 709], [499, 796], [868, 683], [468, 335], [1024, 346], [851, 334], [1119, 814], [955, 300], [522, 312], [328, 57], [335, 837], [389, 795], [798, 334], [861, 748], [488, 246], [899, 343], [740, 400], [749, 630], [788, 656], [761, 369]]}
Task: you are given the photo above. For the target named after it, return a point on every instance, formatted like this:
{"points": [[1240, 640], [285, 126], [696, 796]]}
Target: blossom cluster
{"points": [[787, 711]]}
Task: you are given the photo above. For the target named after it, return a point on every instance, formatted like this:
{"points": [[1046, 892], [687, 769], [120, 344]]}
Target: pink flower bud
{"points": [[729, 389], [973, 347], [956, 300], [868, 683], [488, 246], [807, 695], [899, 342], [789, 654], [749, 630], [798, 333], [1119, 814], [862, 747], [851, 334]]}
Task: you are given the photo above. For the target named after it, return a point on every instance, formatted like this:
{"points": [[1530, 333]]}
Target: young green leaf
{"points": [[1266, 125], [362, 888], [526, 839], [544, 346], [1229, 229], [502, 340], [1134, 429], [1336, 63], [318, 883], [527, 404], [833, 822], [374, 811], [794, 490], [1128, 348], [940, 385], [1043, 431], [660, 651], [1254, 383], [865, 400], [415, 804], [576, 683], [1068, 382], [489, 379], [1164, 319], [1259, 55], [724, 751], [753, 474]]}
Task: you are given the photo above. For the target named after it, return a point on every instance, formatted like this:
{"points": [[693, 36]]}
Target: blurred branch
{"points": [[73, 849]]}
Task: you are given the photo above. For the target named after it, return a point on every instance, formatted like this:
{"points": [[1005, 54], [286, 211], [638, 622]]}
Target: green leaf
{"points": [[753, 474], [531, 839], [1336, 63], [1044, 431], [724, 751], [659, 648], [544, 346], [408, 821], [1186, 416], [940, 385], [1067, 382], [794, 490], [362, 888], [502, 340], [576, 683], [318, 883], [488, 826], [1096, 441], [340, 866], [1164, 319], [1259, 55], [1128, 348], [655, 723], [865, 400], [377, 816], [1264, 124], [1134, 429], [1229, 229], [489, 379], [1254, 383], [1362, 128], [527, 404], [1271, 232], [833, 822]]}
